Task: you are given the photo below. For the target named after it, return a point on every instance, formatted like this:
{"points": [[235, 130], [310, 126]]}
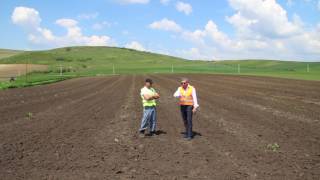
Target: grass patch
{"points": [[33, 79]]}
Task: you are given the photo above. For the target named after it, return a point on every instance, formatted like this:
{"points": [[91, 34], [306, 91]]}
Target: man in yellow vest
{"points": [[149, 118], [188, 105]]}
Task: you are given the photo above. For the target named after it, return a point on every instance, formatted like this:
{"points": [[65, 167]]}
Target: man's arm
{"points": [[156, 95], [195, 100], [144, 95], [177, 93], [148, 97]]}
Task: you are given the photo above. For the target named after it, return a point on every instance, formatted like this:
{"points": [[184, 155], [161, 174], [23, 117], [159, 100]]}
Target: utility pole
{"points": [[60, 70], [113, 70], [172, 68], [239, 69], [308, 68], [26, 78]]}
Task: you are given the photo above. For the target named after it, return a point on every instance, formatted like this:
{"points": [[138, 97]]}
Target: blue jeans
{"points": [[186, 113], [149, 119]]}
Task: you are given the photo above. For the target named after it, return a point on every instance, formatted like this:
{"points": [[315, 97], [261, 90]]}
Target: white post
{"points": [[239, 69], [172, 68], [308, 68], [60, 70], [26, 80], [113, 70]]}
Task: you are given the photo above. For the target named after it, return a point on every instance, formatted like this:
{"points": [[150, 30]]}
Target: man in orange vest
{"points": [[188, 105]]}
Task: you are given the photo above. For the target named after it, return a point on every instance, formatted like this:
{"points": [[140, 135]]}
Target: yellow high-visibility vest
{"points": [[186, 96], [148, 103]]}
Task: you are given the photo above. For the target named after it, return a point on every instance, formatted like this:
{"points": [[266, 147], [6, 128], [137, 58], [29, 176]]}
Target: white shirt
{"points": [[147, 91], [177, 94]]}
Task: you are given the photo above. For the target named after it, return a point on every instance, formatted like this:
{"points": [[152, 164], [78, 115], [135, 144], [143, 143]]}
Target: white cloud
{"points": [[184, 7], [101, 25], [67, 23], [125, 32], [165, 2], [166, 25], [133, 1], [289, 2], [318, 5], [196, 54], [262, 18], [26, 17], [88, 16], [29, 19], [97, 40], [135, 45], [262, 30], [196, 36], [266, 23], [211, 30]]}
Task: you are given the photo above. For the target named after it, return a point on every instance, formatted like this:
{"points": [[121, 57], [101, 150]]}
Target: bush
{"points": [[85, 59], [63, 59], [12, 86]]}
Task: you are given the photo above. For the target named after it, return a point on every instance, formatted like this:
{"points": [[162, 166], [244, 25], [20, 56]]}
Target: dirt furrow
{"points": [[86, 128], [233, 121]]}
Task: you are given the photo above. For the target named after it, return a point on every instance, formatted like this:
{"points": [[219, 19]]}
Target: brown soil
{"points": [[86, 128]]}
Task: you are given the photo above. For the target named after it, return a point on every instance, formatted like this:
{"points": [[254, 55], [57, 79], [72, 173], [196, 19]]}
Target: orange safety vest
{"points": [[186, 96]]}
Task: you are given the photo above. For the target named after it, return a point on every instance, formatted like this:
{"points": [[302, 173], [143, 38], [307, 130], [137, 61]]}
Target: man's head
{"points": [[184, 82], [148, 83]]}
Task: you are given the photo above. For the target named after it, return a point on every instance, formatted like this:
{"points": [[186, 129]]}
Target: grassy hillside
{"points": [[4, 53], [285, 69], [97, 60], [92, 61]]}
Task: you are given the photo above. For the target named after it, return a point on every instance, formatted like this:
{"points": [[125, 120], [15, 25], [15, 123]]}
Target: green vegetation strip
{"points": [[94, 61]]}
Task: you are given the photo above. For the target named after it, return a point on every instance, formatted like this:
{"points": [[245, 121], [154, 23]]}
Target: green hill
{"points": [[98, 60], [92, 61], [4, 53]]}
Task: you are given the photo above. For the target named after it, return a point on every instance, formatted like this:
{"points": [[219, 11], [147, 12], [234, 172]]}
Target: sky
{"points": [[192, 29]]}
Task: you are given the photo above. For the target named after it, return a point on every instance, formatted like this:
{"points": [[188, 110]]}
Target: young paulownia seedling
{"points": [[29, 115], [274, 147]]}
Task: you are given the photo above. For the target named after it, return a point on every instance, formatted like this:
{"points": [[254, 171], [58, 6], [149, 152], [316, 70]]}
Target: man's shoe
{"points": [[151, 133], [141, 133], [189, 138], [185, 136]]}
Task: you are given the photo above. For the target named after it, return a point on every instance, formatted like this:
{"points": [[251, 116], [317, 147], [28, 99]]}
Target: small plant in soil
{"points": [[273, 147], [29, 115]]}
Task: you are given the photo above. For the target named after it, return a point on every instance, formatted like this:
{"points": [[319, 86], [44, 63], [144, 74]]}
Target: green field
{"points": [[4, 53], [96, 61]]}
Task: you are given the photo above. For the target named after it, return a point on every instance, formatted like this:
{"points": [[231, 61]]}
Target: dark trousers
{"points": [[186, 112]]}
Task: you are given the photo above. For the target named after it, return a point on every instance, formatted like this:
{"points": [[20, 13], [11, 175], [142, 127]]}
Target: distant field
{"points": [[99, 61], [4, 53], [14, 70]]}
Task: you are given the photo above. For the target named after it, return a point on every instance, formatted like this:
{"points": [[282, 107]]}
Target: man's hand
{"points": [[148, 97], [156, 96], [194, 110]]}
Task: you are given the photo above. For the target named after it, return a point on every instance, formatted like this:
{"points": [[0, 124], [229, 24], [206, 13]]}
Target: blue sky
{"points": [[193, 29]]}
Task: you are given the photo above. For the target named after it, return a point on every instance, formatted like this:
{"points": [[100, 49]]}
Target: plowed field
{"points": [[86, 128]]}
